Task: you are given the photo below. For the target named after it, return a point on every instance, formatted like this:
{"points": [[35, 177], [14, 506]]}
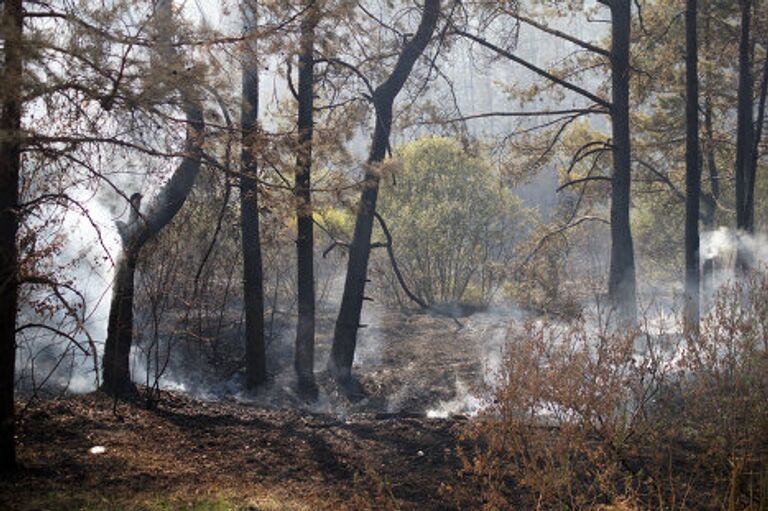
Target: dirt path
{"points": [[190, 454]]}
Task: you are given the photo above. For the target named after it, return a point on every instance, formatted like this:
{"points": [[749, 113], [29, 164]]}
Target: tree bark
{"points": [[692, 169], [348, 320], [758, 131], [117, 350], [304, 357], [142, 227], [744, 138], [621, 279], [253, 287], [10, 164], [713, 196]]}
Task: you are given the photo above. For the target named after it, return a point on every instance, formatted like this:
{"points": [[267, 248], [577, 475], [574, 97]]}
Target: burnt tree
{"points": [[304, 356], [348, 320], [744, 134], [747, 136], [141, 227], [621, 279], [10, 164], [253, 287], [692, 169], [710, 199]]}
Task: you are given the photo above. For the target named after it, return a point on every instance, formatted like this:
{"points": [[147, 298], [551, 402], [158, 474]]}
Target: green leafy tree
{"points": [[454, 226]]}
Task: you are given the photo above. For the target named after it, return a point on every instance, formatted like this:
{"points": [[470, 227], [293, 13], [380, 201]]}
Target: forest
{"points": [[383, 255]]}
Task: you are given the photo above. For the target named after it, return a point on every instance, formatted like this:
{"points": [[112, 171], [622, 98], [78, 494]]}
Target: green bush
{"points": [[453, 223]]}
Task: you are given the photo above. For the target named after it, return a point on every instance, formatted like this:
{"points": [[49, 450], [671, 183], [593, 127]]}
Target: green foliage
{"points": [[657, 224], [454, 225], [338, 223]]}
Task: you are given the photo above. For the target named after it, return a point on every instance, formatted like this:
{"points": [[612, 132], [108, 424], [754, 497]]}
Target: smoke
{"points": [[83, 231], [723, 243], [490, 331], [84, 262], [720, 248], [465, 403]]}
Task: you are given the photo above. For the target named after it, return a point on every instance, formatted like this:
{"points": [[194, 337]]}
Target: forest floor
{"points": [[189, 454], [398, 449]]}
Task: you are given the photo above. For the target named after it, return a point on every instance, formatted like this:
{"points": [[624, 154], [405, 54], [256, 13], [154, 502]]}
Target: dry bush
{"points": [[587, 416]]}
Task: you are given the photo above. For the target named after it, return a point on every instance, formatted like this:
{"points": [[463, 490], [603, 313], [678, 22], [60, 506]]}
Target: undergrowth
{"points": [[590, 416]]}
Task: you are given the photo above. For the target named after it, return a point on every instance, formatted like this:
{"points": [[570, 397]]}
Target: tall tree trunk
{"points": [[142, 227], [692, 169], [117, 350], [253, 287], [744, 138], [348, 320], [304, 359], [10, 164], [621, 279], [713, 196], [758, 132]]}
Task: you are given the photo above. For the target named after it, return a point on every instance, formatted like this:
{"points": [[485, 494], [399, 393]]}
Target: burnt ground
{"points": [[266, 453], [189, 454]]}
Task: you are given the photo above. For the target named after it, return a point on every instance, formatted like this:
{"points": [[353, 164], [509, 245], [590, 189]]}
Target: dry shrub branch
{"points": [[587, 416]]}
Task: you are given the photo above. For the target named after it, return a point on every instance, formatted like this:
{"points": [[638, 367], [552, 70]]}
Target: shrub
{"points": [[454, 225], [586, 417]]}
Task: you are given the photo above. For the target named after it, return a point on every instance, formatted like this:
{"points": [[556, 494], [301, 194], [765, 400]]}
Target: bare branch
{"points": [[55, 331], [562, 35], [399, 275], [583, 180], [541, 72]]}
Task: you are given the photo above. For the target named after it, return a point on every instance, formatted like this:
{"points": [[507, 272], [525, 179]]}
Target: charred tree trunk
{"points": [[758, 133], [139, 230], [744, 138], [304, 359], [692, 169], [253, 287], [621, 279], [117, 350], [10, 164], [348, 321], [712, 198], [142, 227]]}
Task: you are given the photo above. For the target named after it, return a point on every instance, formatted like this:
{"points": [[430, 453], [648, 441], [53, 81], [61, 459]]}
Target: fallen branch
{"points": [[399, 275]]}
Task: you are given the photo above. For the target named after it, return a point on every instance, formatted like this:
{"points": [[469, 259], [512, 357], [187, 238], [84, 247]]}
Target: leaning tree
{"points": [[144, 224], [383, 98]]}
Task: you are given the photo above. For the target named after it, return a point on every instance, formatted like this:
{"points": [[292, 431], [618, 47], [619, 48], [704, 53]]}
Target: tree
{"points": [[304, 358], [745, 132], [621, 280], [748, 134], [454, 225], [253, 286], [141, 227], [692, 168], [10, 164], [348, 320], [711, 198]]}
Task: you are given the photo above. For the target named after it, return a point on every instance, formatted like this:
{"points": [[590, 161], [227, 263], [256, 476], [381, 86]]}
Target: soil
{"points": [[187, 451], [268, 452]]}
